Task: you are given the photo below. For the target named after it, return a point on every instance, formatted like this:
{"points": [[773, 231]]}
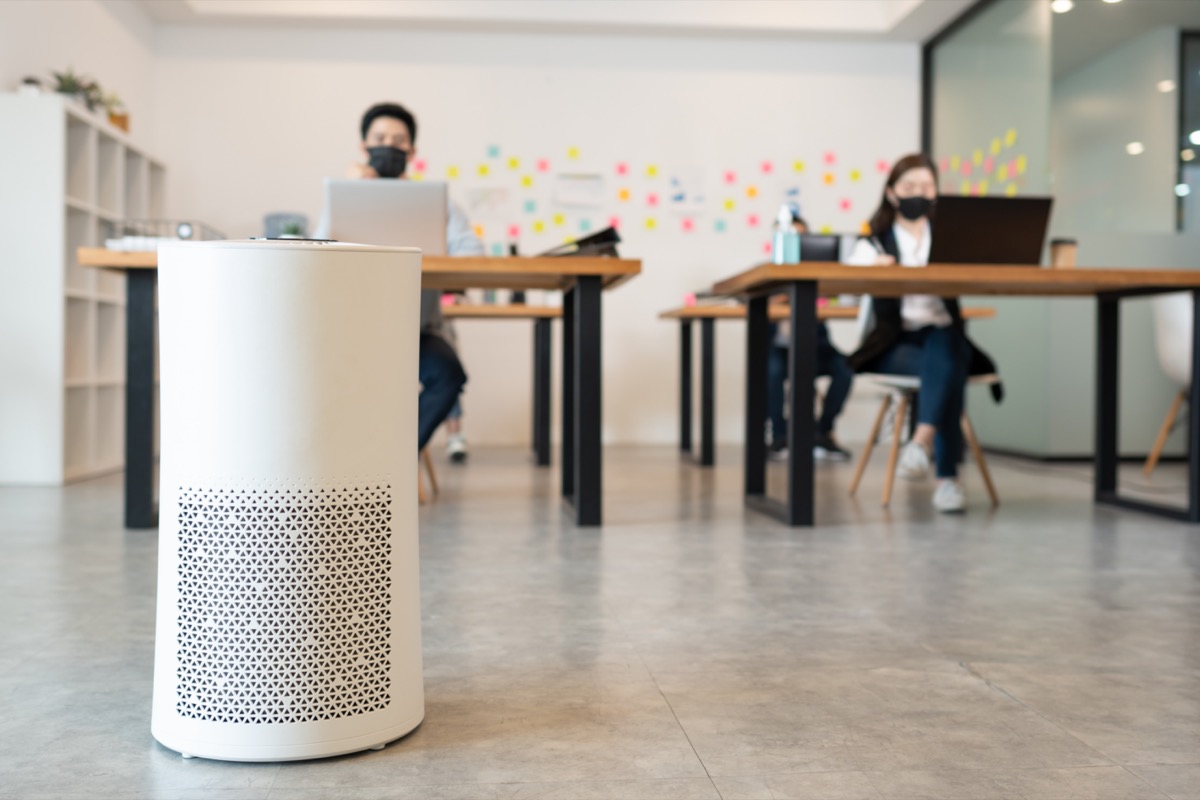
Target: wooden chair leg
{"points": [[428, 461], [871, 440], [977, 451], [894, 455], [422, 499], [1164, 432]]}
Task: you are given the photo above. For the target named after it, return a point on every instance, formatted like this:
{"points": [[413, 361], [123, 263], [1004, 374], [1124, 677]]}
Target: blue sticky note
{"points": [[719, 226], [497, 249], [493, 151], [585, 225], [530, 206]]}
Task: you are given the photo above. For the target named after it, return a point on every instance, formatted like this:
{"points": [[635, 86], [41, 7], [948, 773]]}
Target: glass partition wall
{"points": [[1098, 105]]}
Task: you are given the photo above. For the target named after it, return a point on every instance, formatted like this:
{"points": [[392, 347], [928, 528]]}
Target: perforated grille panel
{"points": [[284, 603]]}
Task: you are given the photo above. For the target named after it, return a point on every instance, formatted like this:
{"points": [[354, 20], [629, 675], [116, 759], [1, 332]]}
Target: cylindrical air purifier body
{"points": [[288, 600]]}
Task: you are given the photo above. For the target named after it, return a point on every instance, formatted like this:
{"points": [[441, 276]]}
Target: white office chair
{"points": [[901, 389], [1173, 340]]}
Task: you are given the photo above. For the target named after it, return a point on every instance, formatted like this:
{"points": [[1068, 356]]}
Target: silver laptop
{"points": [[396, 213]]}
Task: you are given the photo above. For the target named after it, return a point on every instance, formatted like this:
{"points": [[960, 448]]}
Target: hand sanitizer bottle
{"points": [[785, 249]]}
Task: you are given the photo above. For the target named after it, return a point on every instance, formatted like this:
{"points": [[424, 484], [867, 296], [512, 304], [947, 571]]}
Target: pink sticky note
{"points": [[730, 176], [689, 224], [845, 204], [882, 166], [1012, 167], [689, 299], [767, 167], [752, 220], [830, 157], [418, 165], [652, 199], [767, 248], [514, 231], [989, 164], [447, 299], [966, 166], [614, 222], [622, 168], [822, 302], [543, 165], [945, 165]]}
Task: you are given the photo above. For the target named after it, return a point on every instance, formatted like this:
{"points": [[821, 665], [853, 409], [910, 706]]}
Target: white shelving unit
{"points": [[68, 178]]}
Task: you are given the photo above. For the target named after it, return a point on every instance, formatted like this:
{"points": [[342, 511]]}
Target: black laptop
{"points": [[989, 230]]}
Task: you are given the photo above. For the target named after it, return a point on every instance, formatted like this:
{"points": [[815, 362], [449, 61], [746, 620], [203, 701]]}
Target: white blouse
{"points": [[916, 310]]}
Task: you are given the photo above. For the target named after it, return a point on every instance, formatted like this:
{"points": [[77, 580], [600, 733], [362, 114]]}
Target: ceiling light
{"points": [[1061, 6], [1187, 155], [1182, 190], [1195, 137], [1112, 1], [1135, 148], [1166, 86]]}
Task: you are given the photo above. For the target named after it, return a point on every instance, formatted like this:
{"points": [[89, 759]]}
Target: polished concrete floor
{"points": [[688, 649]]}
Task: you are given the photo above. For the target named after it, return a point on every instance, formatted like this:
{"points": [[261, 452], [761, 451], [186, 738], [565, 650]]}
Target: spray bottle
{"points": [[785, 248]]}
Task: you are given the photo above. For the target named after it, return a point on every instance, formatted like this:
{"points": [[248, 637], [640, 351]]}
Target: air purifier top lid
{"points": [[289, 244]]}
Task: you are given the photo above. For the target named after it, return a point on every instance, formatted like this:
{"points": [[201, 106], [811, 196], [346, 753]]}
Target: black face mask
{"points": [[913, 208], [388, 162]]}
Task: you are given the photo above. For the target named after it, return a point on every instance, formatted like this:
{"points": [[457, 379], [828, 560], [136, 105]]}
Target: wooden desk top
{"points": [[778, 312], [517, 311], [951, 280], [447, 272]]}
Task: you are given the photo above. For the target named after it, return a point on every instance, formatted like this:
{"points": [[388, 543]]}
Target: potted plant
{"points": [[292, 230], [117, 113], [30, 85], [83, 89]]}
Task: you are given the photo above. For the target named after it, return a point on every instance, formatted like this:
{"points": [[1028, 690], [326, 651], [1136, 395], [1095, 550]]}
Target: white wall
{"points": [[107, 40], [250, 121]]}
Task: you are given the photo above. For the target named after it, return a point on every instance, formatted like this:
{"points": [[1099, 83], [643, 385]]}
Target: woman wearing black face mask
{"points": [[919, 335]]}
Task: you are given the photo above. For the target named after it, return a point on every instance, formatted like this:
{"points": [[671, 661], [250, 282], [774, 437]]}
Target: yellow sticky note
{"points": [[1021, 164], [479, 231], [623, 195], [865, 228], [983, 187], [751, 192], [538, 226], [1010, 138], [451, 172], [1002, 173], [514, 163], [651, 223], [977, 157], [483, 170], [829, 179], [995, 147], [417, 176], [652, 171], [826, 229], [964, 188], [855, 175], [798, 166], [527, 181], [955, 163], [1011, 190], [559, 219], [572, 152], [729, 204]]}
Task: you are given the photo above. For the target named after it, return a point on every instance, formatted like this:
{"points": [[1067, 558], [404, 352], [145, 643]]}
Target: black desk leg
{"points": [[1108, 341], [708, 401], [685, 385], [541, 391], [141, 511], [568, 395], [755, 469], [587, 400], [802, 372]]}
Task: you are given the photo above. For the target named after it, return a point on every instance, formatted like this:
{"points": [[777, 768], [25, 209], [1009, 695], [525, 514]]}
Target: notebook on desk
{"points": [[989, 230], [388, 212]]}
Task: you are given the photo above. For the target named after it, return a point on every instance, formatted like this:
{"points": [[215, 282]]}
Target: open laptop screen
{"points": [[989, 230]]}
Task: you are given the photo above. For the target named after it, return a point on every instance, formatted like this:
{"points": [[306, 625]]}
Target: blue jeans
{"points": [[829, 362], [940, 357], [442, 380]]}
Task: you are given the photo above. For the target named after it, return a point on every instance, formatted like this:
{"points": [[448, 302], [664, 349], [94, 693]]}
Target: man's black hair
{"points": [[393, 110]]}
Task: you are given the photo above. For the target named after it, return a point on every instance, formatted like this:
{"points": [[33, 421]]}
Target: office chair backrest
{"points": [[1173, 335]]}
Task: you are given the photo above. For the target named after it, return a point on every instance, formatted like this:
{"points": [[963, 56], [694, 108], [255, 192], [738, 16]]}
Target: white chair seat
{"points": [[911, 383]]}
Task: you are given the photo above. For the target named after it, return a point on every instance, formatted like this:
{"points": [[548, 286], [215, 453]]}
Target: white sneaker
{"points": [[914, 462], [949, 497], [456, 448]]}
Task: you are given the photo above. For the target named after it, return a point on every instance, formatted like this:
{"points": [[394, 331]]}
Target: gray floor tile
{"points": [[1177, 781]]}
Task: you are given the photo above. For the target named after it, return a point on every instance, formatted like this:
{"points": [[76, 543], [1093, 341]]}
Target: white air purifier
{"points": [[288, 601]]}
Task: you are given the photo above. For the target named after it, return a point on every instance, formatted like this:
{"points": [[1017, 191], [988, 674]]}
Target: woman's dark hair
{"points": [[885, 215], [393, 110]]}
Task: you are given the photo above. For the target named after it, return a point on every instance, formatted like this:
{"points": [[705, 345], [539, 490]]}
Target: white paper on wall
{"points": [[579, 190]]}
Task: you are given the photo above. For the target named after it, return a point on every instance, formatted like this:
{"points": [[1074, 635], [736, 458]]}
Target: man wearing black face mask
{"points": [[389, 135]]}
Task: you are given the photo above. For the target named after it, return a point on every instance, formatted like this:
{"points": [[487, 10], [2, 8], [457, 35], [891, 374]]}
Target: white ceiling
{"points": [[894, 20]]}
